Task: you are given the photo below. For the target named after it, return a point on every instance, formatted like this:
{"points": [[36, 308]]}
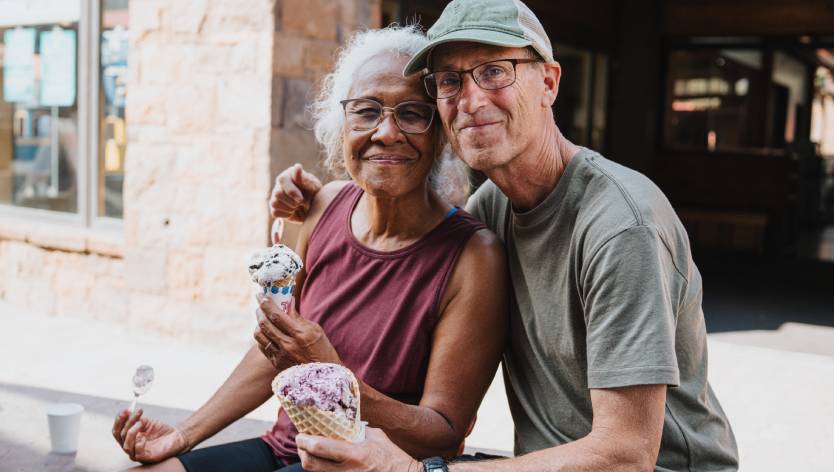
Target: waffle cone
{"points": [[311, 420]]}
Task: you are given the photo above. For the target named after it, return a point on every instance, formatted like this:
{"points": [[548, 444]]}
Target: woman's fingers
{"points": [[274, 335], [130, 440], [129, 423], [282, 321], [119, 424]]}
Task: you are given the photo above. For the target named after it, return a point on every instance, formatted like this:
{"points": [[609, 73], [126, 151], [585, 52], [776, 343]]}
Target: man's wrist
{"points": [[435, 464], [415, 466]]}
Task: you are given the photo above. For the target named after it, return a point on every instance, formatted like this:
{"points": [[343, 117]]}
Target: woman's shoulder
{"points": [[321, 200], [484, 244]]}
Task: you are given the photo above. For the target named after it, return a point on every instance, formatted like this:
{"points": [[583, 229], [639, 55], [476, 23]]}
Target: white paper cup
{"points": [[64, 426], [280, 296]]}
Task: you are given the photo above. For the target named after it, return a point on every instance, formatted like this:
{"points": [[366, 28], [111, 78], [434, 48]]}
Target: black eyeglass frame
{"points": [[461, 73], [393, 112]]}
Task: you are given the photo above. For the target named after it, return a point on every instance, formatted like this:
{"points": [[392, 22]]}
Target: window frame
{"points": [[87, 102]]}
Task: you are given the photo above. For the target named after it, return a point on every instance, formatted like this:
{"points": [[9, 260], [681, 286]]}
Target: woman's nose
{"points": [[387, 132]]}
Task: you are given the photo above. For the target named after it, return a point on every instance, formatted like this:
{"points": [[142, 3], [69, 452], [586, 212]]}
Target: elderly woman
{"points": [[401, 287]]}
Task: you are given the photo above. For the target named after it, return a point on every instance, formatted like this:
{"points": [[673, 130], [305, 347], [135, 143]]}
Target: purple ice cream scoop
{"points": [[327, 387]]}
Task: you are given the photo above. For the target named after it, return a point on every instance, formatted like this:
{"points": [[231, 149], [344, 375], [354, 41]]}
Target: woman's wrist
{"points": [[185, 435]]}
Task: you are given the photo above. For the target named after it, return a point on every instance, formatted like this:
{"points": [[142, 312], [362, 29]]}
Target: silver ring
{"points": [[268, 345]]}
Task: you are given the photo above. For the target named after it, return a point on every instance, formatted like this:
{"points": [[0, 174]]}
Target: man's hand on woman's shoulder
{"points": [[293, 194]]}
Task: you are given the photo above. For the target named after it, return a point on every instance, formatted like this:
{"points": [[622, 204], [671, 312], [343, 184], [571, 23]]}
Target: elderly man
{"points": [[606, 367]]}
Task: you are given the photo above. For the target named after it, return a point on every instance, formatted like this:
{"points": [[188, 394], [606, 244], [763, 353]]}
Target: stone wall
{"points": [[217, 92], [197, 169]]}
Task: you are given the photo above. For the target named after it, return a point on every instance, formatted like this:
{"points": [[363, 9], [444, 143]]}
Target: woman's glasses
{"points": [[364, 114]]}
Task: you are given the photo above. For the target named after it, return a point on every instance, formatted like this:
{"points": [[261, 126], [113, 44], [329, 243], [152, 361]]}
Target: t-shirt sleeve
{"points": [[630, 291], [477, 205]]}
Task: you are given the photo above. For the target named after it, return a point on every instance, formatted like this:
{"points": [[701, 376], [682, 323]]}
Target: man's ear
{"points": [[552, 76]]}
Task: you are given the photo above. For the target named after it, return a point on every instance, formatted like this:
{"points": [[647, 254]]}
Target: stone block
{"points": [[188, 16], [144, 16], [185, 274], [72, 289], [146, 269], [193, 107], [316, 19], [160, 61], [70, 239], [241, 15], [298, 93], [294, 145], [242, 103], [226, 277], [319, 57], [146, 104], [288, 55], [109, 302]]}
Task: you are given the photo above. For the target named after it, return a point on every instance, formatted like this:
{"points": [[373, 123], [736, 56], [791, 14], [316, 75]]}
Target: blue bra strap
{"points": [[451, 212]]}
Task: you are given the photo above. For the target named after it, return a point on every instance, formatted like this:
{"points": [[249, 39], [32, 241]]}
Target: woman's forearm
{"points": [[247, 388], [418, 430]]}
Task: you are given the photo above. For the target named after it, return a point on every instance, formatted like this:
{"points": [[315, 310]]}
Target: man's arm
{"points": [[625, 437]]}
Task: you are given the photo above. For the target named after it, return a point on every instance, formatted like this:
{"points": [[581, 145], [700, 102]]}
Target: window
{"points": [[725, 99], [63, 69], [39, 145], [714, 99], [112, 93]]}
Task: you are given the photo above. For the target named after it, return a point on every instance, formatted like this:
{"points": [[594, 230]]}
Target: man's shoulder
{"points": [[619, 194], [487, 204], [620, 199]]}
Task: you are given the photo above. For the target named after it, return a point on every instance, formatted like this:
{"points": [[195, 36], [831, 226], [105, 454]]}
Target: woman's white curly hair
{"points": [[328, 115]]}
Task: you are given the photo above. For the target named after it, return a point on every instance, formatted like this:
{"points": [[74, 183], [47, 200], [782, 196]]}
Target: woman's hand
{"points": [[145, 440], [287, 338]]}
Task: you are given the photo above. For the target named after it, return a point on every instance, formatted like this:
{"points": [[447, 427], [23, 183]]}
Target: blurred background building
{"points": [[139, 138]]}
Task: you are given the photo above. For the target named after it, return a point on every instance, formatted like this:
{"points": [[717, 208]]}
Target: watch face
{"points": [[435, 464]]}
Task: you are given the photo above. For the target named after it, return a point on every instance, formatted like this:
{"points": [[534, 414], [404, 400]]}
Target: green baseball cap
{"points": [[508, 23]]}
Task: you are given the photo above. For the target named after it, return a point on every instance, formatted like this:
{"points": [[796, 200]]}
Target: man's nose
{"points": [[471, 96], [387, 132]]}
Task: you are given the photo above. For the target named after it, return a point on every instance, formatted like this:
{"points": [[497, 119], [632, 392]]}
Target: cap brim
{"points": [[494, 38]]}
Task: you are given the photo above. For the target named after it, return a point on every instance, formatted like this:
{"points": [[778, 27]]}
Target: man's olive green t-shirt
{"points": [[605, 294]]}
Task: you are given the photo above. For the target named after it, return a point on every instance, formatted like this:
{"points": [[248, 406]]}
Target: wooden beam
{"points": [[747, 17]]}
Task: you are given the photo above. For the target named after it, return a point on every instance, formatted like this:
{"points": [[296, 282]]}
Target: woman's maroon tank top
{"points": [[378, 309]]}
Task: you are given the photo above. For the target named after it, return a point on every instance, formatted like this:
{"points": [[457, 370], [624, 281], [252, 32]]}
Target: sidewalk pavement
{"points": [[779, 401]]}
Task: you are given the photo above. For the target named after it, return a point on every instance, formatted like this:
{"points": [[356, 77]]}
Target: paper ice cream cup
{"points": [[280, 292]]}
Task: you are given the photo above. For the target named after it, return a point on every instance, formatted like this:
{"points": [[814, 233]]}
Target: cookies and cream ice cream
{"points": [[274, 270], [321, 399], [274, 264]]}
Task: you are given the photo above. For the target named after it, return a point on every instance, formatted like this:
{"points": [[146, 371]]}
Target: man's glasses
{"points": [[492, 75], [364, 114]]}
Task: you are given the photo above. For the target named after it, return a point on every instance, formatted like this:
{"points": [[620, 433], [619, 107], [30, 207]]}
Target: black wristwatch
{"points": [[435, 464]]}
